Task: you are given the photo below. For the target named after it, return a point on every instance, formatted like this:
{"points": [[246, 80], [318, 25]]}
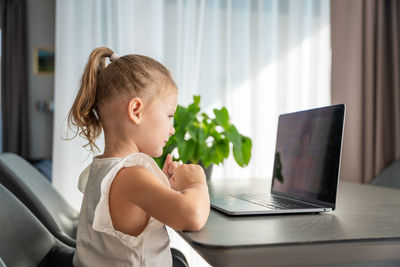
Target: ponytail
{"points": [[131, 75], [84, 113]]}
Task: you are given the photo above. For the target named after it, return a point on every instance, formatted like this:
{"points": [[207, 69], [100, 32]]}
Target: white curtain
{"points": [[258, 58]]}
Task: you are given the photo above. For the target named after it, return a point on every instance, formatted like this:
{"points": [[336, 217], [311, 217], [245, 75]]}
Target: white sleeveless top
{"points": [[98, 243]]}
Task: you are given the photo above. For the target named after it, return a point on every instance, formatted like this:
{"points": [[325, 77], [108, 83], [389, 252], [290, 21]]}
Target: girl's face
{"points": [[157, 125]]}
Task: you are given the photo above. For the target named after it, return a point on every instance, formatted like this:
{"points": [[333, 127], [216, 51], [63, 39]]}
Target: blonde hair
{"points": [[134, 75]]}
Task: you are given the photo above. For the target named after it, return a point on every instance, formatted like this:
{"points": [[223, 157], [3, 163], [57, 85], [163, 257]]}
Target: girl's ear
{"points": [[135, 107]]}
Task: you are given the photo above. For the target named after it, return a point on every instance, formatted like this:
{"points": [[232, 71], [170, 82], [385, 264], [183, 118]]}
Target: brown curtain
{"points": [[14, 85], [366, 77]]}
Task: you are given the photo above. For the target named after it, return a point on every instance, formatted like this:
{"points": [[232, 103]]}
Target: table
{"points": [[364, 228]]}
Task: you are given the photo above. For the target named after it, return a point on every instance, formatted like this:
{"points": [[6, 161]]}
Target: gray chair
{"points": [[24, 239], [39, 196], [389, 177], [178, 259]]}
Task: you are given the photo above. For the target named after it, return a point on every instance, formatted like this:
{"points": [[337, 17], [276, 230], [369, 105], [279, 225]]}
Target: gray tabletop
{"points": [[365, 215]]}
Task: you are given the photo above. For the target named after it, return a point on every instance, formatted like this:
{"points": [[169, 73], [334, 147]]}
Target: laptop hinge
{"points": [[306, 201]]}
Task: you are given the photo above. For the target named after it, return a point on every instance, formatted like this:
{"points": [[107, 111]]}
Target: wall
{"points": [[41, 33]]}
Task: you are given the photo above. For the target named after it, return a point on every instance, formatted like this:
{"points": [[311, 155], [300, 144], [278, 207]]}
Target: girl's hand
{"points": [[167, 163], [170, 166], [187, 175]]}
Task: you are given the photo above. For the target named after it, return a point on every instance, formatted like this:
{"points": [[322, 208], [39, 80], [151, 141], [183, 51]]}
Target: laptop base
{"points": [[236, 207]]}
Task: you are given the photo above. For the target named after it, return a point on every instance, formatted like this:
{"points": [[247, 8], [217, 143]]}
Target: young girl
{"points": [[128, 199]]}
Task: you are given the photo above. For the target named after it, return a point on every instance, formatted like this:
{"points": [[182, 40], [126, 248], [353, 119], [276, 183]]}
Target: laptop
{"points": [[306, 167]]}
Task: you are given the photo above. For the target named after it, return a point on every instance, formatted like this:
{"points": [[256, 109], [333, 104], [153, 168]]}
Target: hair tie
{"points": [[114, 56]]}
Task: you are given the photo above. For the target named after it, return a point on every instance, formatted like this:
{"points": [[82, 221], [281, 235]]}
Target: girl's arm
{"points": [[185, 210]]}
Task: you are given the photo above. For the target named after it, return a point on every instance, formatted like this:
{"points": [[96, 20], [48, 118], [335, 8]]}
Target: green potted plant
{"points": [[206, 140]]}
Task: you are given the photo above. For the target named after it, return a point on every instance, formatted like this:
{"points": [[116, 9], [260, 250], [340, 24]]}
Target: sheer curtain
{"points": [[257, 58]]}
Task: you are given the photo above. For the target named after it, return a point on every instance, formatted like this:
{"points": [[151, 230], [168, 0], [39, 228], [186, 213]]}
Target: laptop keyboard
{"points": [[272, 202]]}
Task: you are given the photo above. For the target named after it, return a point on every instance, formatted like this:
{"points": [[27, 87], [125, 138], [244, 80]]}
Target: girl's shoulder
{"points": [[138, 158], [145, 161], [134, 159], [107, 168]]}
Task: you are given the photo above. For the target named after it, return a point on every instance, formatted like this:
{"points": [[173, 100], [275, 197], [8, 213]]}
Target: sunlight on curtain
{"points": [[258, 58]]}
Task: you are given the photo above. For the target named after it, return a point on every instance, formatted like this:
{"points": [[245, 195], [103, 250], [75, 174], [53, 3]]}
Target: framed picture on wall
{"points": [[43, 61]]}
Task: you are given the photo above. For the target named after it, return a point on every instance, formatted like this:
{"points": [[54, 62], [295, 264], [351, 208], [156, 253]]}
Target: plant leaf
{"points": [[214, 156], [241, 146], [196, 100], [182, 119], [193, 131], [194, 107], [200, 128], [222, 117], [238, 155], [233, 136], [222, 149], [208, 158], [186, 150], [246, 149]]}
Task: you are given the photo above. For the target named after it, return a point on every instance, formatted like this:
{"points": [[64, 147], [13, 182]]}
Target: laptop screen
{"points": [[307, 154]]}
